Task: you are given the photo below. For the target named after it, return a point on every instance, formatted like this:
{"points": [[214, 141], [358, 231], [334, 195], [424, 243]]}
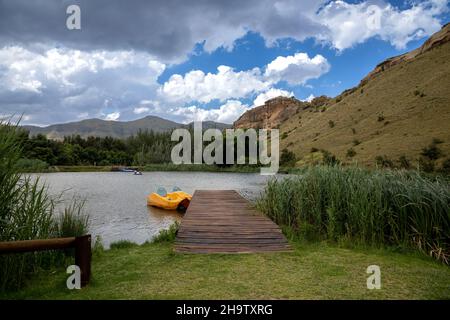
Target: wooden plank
{"points": [[36, 245], [221, 221]]}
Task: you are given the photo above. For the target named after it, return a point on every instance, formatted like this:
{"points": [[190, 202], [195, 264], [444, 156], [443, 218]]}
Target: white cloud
{"points": [[229, 84], [271, 93], [226, 113], [297, 69], [225, 84], [112, 116], [140, 110], [350, 24], [59, 84]]}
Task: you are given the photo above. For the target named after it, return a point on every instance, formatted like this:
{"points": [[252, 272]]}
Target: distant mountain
{"points": [[116, 129]]}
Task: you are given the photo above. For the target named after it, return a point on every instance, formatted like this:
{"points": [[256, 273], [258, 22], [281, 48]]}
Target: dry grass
{"points": [[410, 121]]}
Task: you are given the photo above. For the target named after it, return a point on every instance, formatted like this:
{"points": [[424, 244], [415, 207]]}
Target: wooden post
{"points": [[83, 257], [81, 244]]}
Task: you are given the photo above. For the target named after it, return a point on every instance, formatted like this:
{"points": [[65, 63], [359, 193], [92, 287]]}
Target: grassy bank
{"points": [[199, 168], [370, 207], [149, 168], [311, 271]]}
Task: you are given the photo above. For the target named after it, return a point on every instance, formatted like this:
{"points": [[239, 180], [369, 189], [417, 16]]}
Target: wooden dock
{"points": [[222, 221]]}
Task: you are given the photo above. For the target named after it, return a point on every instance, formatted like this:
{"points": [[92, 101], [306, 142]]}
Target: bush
{"points": [[351, 153], [384, 162], [331, 124], [361, 206], [167, 235], [73, 222], [287, 158], [356, 142], [432, 152], [329, 158], [380, 117], [31, 165]]}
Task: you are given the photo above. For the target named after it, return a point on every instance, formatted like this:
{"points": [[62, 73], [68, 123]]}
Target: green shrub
{"points": [[380, 117], [329, 158], [351, 153], [384, 161], [167, 235], [73, 222], [372, 207], [331, 123], [287, 158], [32, 165], [432, 152]]}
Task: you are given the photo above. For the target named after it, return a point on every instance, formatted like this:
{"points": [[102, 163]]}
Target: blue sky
{"points": [[186, 61]]}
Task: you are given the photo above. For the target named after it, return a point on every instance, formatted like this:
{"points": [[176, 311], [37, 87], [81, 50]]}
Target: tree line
{"points": [[145, 147], [140, 149]]}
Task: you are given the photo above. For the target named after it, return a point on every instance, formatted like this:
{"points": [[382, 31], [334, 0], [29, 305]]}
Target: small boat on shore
{"points": [[175, 200], [137, 173]]}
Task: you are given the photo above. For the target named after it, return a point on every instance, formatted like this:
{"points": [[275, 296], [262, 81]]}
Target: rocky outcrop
{"points": [[269, 115], [275, 111], [434, 41]]}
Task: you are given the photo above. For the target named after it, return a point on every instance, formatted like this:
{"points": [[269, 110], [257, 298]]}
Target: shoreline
{"points": [[160, 168]]}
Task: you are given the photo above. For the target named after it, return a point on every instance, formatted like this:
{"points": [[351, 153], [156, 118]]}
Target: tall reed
{"points": [[27, 212], [374, 207]]}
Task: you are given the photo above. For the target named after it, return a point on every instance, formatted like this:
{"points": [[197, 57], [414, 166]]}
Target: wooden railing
{"points": [[81, 244]]}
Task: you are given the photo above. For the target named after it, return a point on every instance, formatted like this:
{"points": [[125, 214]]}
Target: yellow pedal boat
{"points": [[177, 200]]}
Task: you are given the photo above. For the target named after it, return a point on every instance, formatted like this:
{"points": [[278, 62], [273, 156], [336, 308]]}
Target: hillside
{"points": [[395, 112], [116, 129]]}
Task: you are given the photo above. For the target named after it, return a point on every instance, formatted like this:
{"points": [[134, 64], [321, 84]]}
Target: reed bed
{"points": [[370, 207], [27, 212]]}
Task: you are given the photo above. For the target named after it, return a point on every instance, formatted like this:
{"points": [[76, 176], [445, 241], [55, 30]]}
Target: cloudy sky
{"points": [[194, 60]]}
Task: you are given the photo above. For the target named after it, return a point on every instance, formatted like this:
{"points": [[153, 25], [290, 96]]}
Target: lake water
{"points": [[117, 201]]}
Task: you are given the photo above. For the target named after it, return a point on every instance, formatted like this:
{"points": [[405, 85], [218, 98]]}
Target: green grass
{"points": [[311, 271], [371, 207]]}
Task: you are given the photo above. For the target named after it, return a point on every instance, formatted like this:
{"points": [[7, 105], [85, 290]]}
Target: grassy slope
{"points": [[312, 271], [410, 121]]}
